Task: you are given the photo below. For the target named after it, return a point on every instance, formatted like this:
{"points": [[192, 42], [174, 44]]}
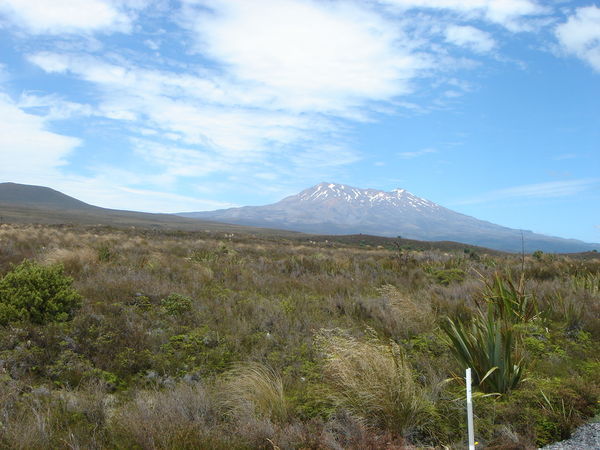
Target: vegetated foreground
{"points": [[142, 339]]}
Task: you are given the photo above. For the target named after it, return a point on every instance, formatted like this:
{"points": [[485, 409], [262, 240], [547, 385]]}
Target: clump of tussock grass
{"points": [[181, 417], [403, 315], [73, 260], [260, 389], [374, 381]]}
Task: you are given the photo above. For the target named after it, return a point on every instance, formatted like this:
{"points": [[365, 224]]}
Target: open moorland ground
{"points": [[165, 339]]}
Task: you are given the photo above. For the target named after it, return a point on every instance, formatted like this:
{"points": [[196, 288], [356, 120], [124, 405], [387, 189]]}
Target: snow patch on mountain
{"points": [[397, 198]]}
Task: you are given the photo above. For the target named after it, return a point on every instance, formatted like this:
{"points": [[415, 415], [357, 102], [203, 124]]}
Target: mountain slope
{"points": [[21, 203], [39, 196], [330, 208]]}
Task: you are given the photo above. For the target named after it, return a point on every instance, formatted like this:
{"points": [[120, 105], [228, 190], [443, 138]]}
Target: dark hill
{"points": [[40, 196]]}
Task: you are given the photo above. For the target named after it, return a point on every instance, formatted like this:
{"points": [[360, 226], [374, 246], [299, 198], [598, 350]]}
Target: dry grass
{"points": [[260, 389], [374, 380], [182, 417]]}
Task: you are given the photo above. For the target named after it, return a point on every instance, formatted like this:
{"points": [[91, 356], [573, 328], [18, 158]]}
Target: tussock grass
{"points": [[374, 381], [260, 389], [182, 417]]}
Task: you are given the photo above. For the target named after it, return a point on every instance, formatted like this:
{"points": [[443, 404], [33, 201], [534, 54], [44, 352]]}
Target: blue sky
{"points": [[488, 107]]}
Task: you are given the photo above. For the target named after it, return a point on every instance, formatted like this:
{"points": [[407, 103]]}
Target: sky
{"points": [[487, 107]]}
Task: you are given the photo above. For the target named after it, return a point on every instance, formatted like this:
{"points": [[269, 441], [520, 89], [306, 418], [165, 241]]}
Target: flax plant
{"points": [[508, 300], [488, 347], [489, 342]]}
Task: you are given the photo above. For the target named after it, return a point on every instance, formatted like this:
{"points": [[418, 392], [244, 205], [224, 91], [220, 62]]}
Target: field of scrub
{"points": [[133, 338]]}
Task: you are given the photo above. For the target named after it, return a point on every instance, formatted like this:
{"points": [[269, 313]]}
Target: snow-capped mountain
{"points": [[399, 198], [331, 208]]}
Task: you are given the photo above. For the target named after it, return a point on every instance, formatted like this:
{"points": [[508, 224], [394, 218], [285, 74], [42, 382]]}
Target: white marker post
{"points": [[470, 412]]}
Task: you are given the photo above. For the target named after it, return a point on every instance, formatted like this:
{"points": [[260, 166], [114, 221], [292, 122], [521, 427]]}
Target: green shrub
{"points": [[39, 294], [538, 254], [105, 254], [201, 350], [176, 305], [449, 276]]}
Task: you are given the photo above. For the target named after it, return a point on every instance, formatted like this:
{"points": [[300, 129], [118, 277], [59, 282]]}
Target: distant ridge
{"points": [[40, 196], [23, 203], [333, 208]]}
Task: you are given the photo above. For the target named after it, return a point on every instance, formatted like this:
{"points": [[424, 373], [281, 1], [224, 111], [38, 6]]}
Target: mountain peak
{"points": [[338, 195], [335, 208]]}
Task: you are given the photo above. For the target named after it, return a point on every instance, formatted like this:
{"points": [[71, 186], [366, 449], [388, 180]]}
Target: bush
{"points": [[176, 304], [449, 276], [39, 294]]}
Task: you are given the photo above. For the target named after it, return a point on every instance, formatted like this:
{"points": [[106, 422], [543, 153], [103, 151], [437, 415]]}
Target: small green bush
{"points": [[449, 276], [538, 255], [39, 294], [176, 304]]}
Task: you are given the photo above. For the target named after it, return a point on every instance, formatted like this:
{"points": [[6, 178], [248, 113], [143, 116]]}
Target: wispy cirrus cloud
{"points": [[470, 37], [552, 189], [416, 154], [512, 14], [276, 91]]}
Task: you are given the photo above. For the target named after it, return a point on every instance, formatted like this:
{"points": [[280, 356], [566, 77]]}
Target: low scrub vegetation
{"points": [[37, 294], [138, 338]]}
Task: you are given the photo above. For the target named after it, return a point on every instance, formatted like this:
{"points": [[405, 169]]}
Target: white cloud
{"points": [[203, 110], [272, 84], [207, 111], [109, 191], [53, 106], [65, 16], [470, 37], [511, 14], [327, 57], [27, 147], [580, 35], [32, 154], [179, 162], [411, 155], [123, 197], [553, 189]]}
